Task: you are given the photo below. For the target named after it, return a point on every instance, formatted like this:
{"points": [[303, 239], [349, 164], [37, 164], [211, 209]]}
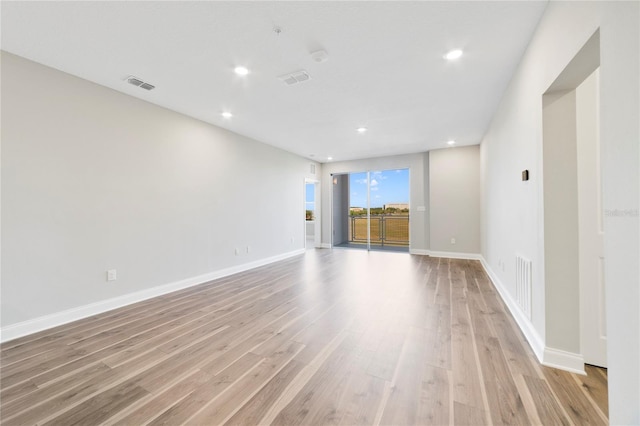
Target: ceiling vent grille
{"points": [[139, 83], [295, 77]]}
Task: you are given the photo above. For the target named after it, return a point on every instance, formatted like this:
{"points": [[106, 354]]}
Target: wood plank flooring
{"points": [[329, 337]]}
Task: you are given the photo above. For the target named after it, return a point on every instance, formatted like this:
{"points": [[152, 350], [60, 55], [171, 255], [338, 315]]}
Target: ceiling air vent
{"points": [[295, 77], [137, 82]]}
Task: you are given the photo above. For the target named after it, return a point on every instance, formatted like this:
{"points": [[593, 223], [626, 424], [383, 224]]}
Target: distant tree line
{"points": [[309, 214], [379, 210]]}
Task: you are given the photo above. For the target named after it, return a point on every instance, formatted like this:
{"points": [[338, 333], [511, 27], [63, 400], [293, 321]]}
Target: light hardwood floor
{"points": [[329, 337]]}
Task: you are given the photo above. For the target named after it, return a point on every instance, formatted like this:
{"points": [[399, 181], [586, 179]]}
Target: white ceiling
{"points": [[385, 69]]}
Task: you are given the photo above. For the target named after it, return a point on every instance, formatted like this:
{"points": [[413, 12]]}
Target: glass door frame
{"points": [[368, 206]]}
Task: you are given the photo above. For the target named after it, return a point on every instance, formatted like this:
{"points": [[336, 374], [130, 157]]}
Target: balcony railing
{"points": [[385, 229]]}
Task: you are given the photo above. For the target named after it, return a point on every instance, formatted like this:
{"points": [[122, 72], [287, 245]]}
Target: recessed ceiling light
{"points": [[361, 129], [329, 158], [241, 70], [451, 142], [227, 114], [454, 54]]}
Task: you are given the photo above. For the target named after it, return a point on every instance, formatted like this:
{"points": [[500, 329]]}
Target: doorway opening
{"points": [[573, 233], [311, 214], [371, 210]]}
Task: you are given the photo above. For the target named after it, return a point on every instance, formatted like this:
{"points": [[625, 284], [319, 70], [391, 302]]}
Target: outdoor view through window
{"points": [[387, 199]]}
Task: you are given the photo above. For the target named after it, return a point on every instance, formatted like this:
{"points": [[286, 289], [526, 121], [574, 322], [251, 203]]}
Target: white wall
{"points": [[454, 199], [512, 212], [419, 195], [445, 182], [93, 180], [560, 203], [593, 325], [310, 227]]}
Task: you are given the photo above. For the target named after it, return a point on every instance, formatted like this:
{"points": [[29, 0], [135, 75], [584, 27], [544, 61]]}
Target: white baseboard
{"points": [[325, 245], [447, 254], [550, 357], [24, 328], [419, 251], [563, 360], [454, 255], [530, 333]]}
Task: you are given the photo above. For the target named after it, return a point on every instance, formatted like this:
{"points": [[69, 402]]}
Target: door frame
{"points": [[368, 172], [559, 213], [317, 228]]}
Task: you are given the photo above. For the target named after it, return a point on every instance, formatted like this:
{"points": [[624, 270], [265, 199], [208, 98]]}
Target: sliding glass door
{"points": [[371, 210]]}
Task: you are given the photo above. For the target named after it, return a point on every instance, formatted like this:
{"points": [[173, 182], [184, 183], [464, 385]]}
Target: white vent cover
{"points": [[523, 284], [138, 82], [295, 77]]}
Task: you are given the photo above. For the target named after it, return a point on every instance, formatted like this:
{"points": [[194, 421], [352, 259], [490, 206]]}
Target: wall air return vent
{"points": [[137, 82], [295, 77], [523, 284]]}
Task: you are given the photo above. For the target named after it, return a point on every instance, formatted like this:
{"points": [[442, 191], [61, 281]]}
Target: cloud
{"points": [[378, 196], [374, 182], [374, 188], [380, 175], [362, 181]]}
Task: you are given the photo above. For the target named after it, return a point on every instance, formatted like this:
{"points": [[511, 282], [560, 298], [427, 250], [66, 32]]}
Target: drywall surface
{"points": [[561, 221], [513, 211], [454, 199], [94, 180]]}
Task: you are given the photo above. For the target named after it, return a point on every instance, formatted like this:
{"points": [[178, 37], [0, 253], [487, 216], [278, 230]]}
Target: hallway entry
{"points": [[573, 224]]}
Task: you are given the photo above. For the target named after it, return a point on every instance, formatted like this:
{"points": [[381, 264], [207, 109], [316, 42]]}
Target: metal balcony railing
{"points": [[384, 229]]}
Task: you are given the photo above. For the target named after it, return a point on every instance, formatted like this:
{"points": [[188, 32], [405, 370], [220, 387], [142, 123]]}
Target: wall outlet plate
{"points": [[112, 275]]}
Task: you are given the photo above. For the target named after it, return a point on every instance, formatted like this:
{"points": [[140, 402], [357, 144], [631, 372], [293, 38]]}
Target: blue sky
{"points": [[310, 194], [389, 186]]}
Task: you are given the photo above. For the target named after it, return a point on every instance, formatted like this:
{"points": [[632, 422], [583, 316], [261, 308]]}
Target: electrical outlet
{"points": [[248, 249], [237, 252], [112, 275], [453, 241], [292, 240]]}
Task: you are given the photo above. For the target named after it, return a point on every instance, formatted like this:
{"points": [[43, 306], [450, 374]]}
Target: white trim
{"points": [[325, 245], [564, 360], [419, 251], [454, 255], [317, 222], [24, 328], [527, 328], [446, 254], [550, 357]]}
